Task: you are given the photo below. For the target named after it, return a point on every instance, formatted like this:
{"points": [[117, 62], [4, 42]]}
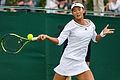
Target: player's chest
{"points": [[82, 32]]}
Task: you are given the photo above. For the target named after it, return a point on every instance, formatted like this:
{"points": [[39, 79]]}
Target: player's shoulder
{"points": [[69, 25], [90, 23], [70, 22], [88, 20]]}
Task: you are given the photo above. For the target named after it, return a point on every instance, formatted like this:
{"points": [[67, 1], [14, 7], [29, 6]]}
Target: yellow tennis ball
{"points": [[18, 41], [30, 36]]}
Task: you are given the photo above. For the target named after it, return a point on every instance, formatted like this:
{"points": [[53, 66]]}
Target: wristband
{"points": [[102, 35]]}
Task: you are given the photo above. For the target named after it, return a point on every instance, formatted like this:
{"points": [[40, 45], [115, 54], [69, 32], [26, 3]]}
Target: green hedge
{"points": [[42, 3], [11, 2], [90, 4]]}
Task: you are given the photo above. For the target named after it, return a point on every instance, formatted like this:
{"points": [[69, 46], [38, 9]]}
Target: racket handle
{"points": [[42, 37], [34, 38]]}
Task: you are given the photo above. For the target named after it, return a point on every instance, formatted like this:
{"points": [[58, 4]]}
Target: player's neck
{"points": [[81, 21]]}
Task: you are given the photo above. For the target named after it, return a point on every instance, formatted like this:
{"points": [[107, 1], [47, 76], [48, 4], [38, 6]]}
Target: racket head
{"points": [[12, 43]]}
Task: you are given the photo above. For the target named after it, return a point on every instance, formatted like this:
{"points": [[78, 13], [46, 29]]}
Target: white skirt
{"points": [[71, 67]]}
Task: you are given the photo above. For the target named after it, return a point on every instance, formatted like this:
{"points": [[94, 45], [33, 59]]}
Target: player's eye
{"points": [[74, 10], [79, 9]]}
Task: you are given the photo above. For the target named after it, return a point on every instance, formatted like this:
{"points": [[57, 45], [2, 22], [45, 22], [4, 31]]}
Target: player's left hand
{"points": [[108, 31]]}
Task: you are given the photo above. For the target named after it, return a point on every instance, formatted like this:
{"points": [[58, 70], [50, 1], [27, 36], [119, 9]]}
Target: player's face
{"points": [[78, 12]]}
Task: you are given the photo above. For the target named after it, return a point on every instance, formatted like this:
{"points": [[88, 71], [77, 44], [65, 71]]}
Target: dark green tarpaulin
{"points": [[37, 59]]}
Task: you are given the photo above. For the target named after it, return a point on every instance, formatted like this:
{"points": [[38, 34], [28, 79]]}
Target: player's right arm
{"points": [[62, 37], [52, 39]]}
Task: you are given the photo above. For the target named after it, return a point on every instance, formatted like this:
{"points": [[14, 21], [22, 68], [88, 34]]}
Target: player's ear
{"points": [[83, 11]]}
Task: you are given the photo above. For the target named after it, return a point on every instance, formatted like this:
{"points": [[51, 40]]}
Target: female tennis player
{"points": [[79, 32]]}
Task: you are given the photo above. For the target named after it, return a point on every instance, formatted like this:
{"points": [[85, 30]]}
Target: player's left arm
{"points": [[104, 32]]}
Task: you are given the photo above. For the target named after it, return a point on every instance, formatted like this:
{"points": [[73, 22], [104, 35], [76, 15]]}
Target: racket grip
{"points": [[42, 37], [34, 38]]}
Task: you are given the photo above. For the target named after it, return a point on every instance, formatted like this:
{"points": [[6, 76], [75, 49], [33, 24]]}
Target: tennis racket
{"points": [[12, 43]]}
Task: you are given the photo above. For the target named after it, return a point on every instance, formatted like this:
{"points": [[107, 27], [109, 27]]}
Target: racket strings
{"points": [[12, 43]]}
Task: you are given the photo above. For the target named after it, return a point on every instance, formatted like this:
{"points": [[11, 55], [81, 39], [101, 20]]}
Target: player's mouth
{"points": [[78, 15]]}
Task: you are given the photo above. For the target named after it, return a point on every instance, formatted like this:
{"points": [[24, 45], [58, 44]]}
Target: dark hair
{"points": [[84, 13], [61, 0]]}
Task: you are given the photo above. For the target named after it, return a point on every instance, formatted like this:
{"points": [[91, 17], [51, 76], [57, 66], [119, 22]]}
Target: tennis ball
{"points": [[18, 42], [30, 36]]}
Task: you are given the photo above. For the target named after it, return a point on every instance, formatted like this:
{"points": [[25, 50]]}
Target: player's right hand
{"points": [[41, 37]]}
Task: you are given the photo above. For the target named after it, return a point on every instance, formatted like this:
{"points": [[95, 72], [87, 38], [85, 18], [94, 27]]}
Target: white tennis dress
{"points": [[73, 59]]}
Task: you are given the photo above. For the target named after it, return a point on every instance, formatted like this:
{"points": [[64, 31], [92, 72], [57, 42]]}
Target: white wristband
{"points": [[101, 34], [34, 38]]}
